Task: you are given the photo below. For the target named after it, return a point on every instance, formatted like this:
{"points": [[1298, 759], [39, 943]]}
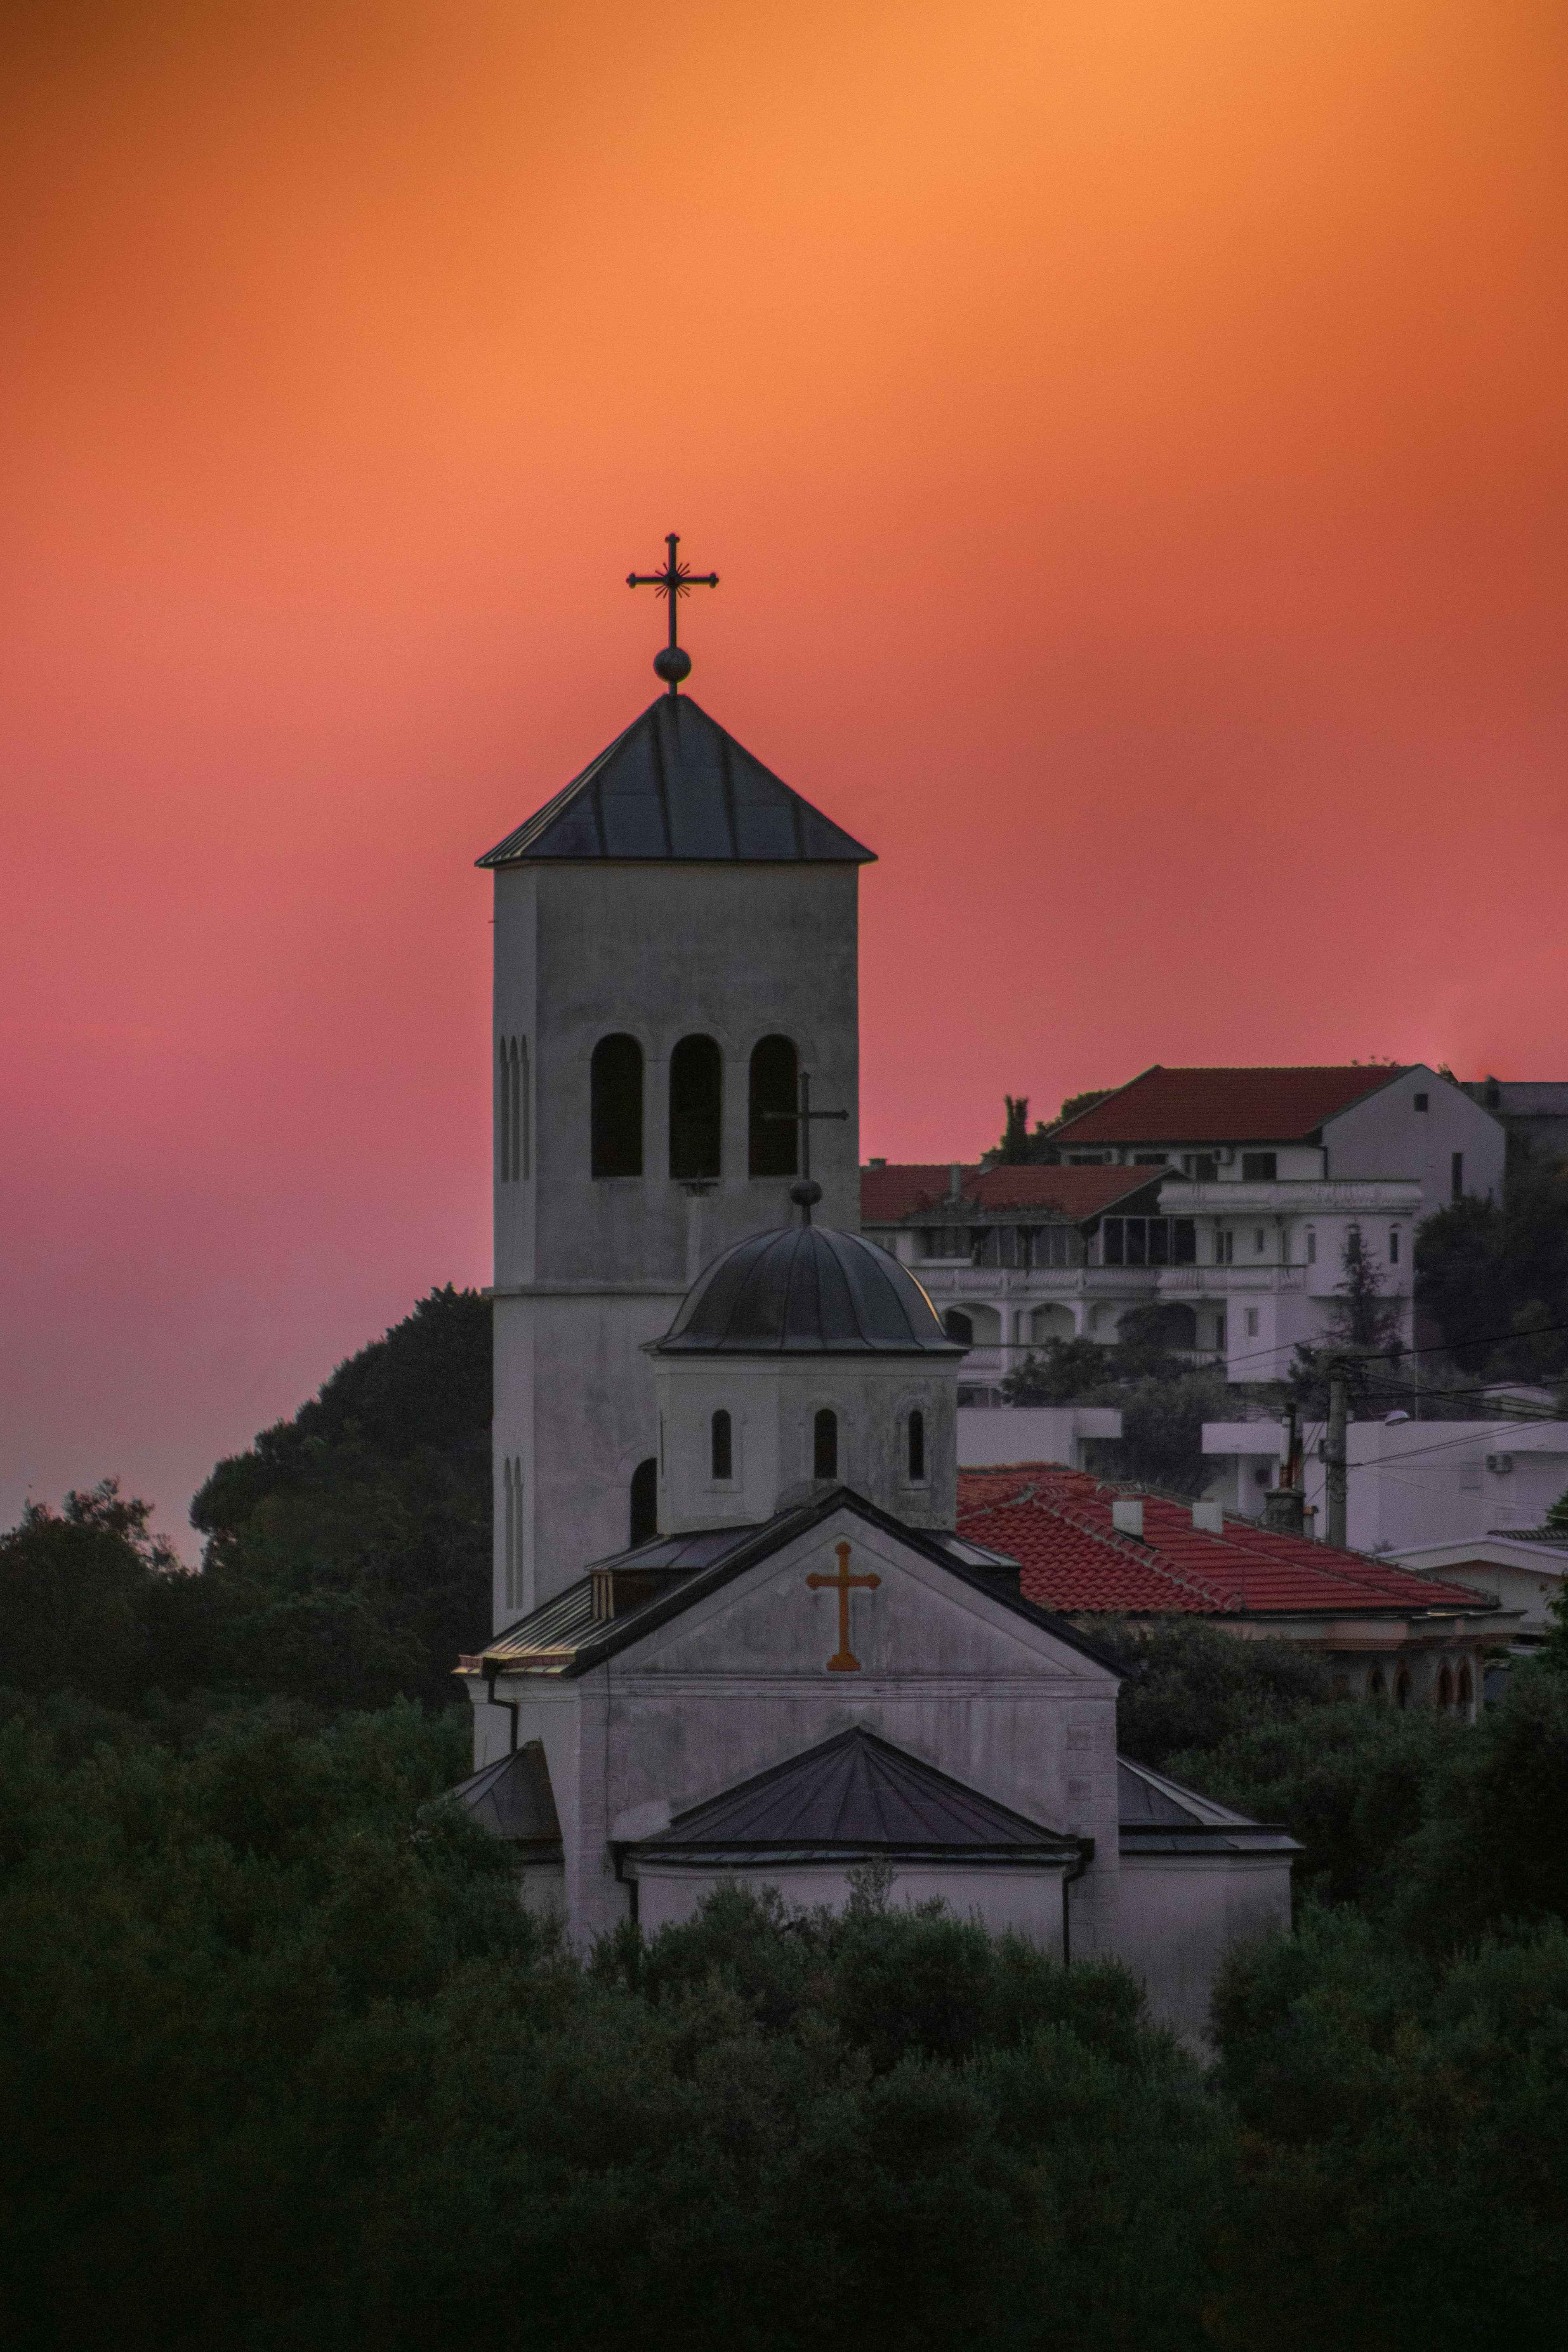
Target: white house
{"points": [[1223, 1197], [1524, 1568], [1411, 1483]]}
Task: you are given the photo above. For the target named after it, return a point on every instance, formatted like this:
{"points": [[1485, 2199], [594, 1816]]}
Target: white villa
{"points": [[1224, 1197]]}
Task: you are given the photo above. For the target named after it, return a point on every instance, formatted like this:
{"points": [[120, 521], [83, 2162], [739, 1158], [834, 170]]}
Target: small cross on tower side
{"points": [[806, 1193]]}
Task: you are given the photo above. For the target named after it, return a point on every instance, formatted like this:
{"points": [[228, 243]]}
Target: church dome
{"points": [[805, 1290]]}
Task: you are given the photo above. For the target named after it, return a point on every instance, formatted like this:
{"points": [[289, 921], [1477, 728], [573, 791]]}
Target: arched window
{"points": [[1402, 1688], [773, 1147], [1444, 1691], [825, 1444], [615, 1086], [959, 1327], [1378, 1688], [917, 1447], [645, 1500], [695, 1108], [724, 1445]]}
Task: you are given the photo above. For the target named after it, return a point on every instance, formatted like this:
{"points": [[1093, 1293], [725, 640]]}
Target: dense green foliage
{"points": [[1496, 1279], [349, 1549], [347, 1559], [284, 2063], [1163, 1400]]}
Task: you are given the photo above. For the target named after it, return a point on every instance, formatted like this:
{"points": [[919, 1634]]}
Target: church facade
{"points": [[736, 1632]]}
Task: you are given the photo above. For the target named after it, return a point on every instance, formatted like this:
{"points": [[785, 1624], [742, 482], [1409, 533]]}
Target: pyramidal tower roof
{"points": [[675, 785]]}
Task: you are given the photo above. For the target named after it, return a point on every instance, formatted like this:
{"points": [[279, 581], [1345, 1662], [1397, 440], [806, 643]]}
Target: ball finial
{"points": [[672, 663]]}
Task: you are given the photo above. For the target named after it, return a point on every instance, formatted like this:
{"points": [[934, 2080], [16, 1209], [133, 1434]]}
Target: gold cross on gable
{"points": [[846, 1663]]}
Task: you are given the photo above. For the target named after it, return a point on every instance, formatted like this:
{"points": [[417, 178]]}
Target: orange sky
{"points": [[1132, 440]]}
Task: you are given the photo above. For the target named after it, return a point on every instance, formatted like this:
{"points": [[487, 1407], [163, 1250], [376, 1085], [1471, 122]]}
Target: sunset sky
{"points": [[1131, 438]]}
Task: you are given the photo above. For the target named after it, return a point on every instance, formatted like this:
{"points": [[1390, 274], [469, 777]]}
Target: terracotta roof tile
{"points": [[888, 1195], [1056, 1524], [1220, 1105]]}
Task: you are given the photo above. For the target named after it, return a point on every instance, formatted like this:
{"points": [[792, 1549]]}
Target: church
{"points": [[737, 1634]]}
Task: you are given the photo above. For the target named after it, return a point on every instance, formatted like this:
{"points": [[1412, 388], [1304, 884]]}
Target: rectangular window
{"points": [[1224, 1247], [1085, 1158], [1259, 1241], [1200, 1166], [1148, 1160], [1114, 1251], [1394, 1245], [1136, 1250], [1159, 1241], [1252, 1322], [1311, 1245], [1184, 1241], [1259, 1167], [1220, 1340], [1420, 1102], [1457, 1175]]}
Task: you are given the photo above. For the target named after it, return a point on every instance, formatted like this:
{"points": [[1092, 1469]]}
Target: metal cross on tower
{"points": [[805, 1193], [672, 662]]}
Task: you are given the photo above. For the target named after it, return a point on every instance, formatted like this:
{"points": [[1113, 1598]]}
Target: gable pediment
{"points": [[849, 1603]]}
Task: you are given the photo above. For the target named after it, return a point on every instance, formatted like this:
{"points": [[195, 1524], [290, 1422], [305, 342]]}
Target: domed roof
{"points": [[806, 1289]]}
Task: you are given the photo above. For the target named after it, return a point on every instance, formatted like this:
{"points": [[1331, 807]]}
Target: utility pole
{"points": [[1335, 1462]]}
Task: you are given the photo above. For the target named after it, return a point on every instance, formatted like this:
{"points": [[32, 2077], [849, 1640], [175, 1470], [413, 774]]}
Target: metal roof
{"points": [[513, 1798], [1159, 1816], [676, 785], [806, 1289], [855, 1792], [563, 1637]]}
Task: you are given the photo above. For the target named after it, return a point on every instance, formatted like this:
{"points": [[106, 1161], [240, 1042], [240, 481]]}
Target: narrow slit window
{"points": [[615, 1084], [773, 1147], [1456, 1174], [521, 1135], [511, 1472], [724, 1445], [917, 1448], [503, 1111], [696, 1110], [1394, 1245], [825, 1444]]}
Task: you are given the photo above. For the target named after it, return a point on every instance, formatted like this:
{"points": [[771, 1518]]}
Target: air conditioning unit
{"points": [[1499, 1465]]}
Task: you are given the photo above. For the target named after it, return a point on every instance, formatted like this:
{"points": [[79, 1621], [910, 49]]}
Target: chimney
{"points": [[955, 1179], [1127, 1515], [1209, 1518], [1283, 1510]]}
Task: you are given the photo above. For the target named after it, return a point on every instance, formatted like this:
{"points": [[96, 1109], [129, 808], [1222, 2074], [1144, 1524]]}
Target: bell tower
{"points": [[676, 945]]}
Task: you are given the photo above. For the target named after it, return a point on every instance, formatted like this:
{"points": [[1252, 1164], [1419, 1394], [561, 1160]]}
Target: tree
{"points": [[1060, 1372], [1486, 1274], [348, 1550], [1363, 1329], [91, 1598], [1013, 1151]]}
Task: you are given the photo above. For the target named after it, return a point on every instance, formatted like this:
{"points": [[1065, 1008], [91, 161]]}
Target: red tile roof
{"points": [[888, 1195], [1223, 1106], [1055, 1523]]}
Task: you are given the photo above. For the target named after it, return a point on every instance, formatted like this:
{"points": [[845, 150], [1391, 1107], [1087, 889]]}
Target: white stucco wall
{"points": [[585, 1269], [772, 1403], [1386, 1135], [1181, 1914], [741, 1682]]}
